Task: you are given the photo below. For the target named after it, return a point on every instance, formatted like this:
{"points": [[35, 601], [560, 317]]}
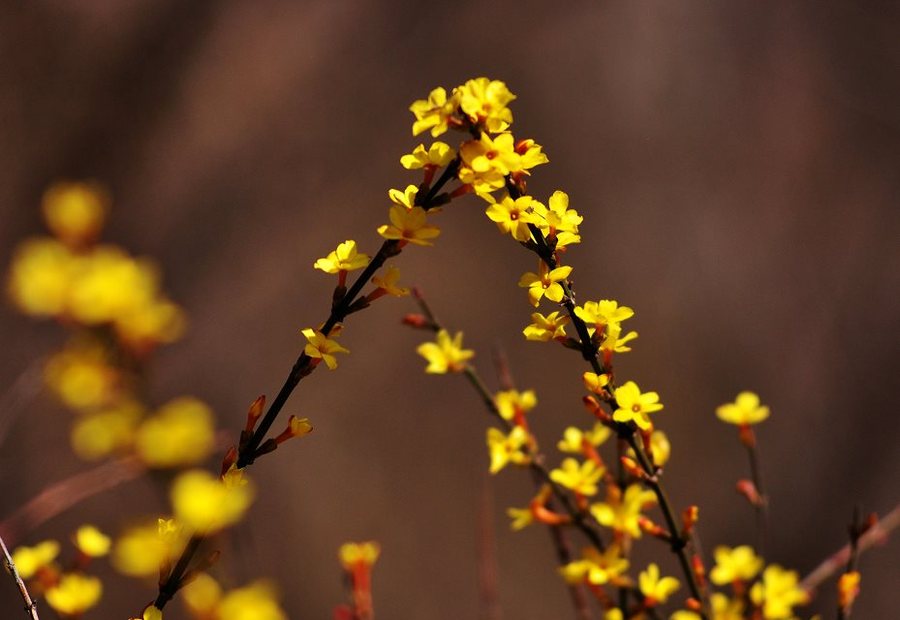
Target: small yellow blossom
{"points": [[207, 504], [581, 479], [157, 321], [181, 433], [558, 220], [509, 448], [613, 340], [723, 608], [82, 376], [434, 113], [656, 590], [110, 285], [848, 589], [485, 101], [634, 405], [320, 346], [406, 198], [74, 594], [487, 161], [532, 153], [601, 313], [388, 283], [344, 258], [512, 216], [445, 354], [511, 402], [574, 438], [521, 518], [143, 548], [151, 613], [98, 435], [352, 554], [595, 383], [545, 283], [744, 410], [738, 564], [256, 601], [29, 560], [596, 568], [409, 225], [546, 328], [660, 448], [438, 155], [40, 277], [75, 211], [778, 593], [621, 512], [92, 542]]}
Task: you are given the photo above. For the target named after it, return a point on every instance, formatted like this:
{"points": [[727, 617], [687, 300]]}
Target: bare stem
{"points": [[762, 506], [30, 605]]}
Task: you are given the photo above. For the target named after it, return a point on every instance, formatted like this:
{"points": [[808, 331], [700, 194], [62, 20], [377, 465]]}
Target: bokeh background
{"points": [[737, 166]]}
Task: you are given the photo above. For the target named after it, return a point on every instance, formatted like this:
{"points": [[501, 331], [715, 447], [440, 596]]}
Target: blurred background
{"points": [[737, 167]]}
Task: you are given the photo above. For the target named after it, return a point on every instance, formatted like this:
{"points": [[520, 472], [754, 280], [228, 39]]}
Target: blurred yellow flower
{"points": [[98, 435], [40, 277], [445, 354], [594, 567], [546, 328], [738, 564], [621, 512], [205, 599], [745, 409], [182, 432], [656, 590], [574, 439], [142, 549], [507, 448], [29, 560], [81, 375], [109, 285], [581, 479], [778, 593], [388, 283], [75, 212], [91, 541], [351, 554], [74, 594], [207, 504], [512, 402]]}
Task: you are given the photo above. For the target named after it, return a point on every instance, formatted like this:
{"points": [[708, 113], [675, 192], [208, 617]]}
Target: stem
{"points": [[877, 534], [843, 612], [171, 585], [30, 605], [762, 507]]}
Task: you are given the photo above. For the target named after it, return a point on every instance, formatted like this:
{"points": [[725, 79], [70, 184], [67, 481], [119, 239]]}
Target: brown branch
{"points": [[877, 534], [30, 605]]}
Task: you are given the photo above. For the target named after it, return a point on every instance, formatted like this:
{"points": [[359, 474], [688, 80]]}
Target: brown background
{"points": [[737, 164]]}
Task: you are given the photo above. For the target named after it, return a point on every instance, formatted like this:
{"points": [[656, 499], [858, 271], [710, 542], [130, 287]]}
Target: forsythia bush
{"points": [[605, 490]]}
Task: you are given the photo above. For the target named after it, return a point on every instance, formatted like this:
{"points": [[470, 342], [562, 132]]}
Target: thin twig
{"points": [[487, 557], [877, 534], [30, 605]]}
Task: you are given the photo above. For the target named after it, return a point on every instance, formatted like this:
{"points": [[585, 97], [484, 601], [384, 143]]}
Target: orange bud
{"points": [[297, 427], [418, 321], [848, 589], [230, 458], [633, 468], [699, 570], [593, 406], [254, 413], [693, 604], [689, 518], [653, 529], [748, 490]]}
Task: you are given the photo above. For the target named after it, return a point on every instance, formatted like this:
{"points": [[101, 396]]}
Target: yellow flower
{"points": [[778, 593], [581, 479], [506, 449], [512, 216], [485, 101], [98, 435], [656, 590], [601, 313], [445, 354], [74, 594], [159, 320], [848, 589], [510, 402], [81, 375], [634, 405], [92, 542], [532, 153], [409, 225], [558, 220], [319, 346], [151, 612], [738, 564], [594, 382], [434, 113], [723, 608], [352, 554], [75, 211], [40, 277], [388, 283], [546, 328], [438, 155], [143, 548], [181, 433], [110, 285], [621, 512], [487, 161], [344, 258], [744, 410], [596, 568], [660, 448], [29, 560], [256, 601], [545, 283], [207, 504], [521, 518], [574, 438], [406, 198], [614, 341]]}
